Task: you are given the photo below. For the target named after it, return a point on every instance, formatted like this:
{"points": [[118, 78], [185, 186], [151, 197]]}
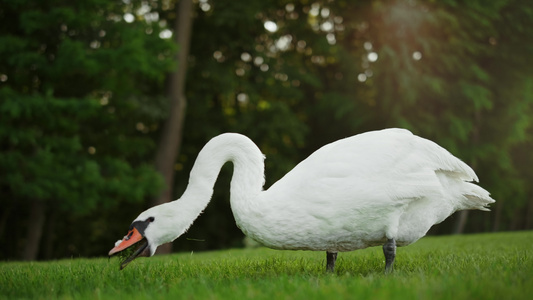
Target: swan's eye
{"points": [[150, 220]]}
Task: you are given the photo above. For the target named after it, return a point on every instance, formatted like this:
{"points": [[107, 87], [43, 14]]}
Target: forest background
{"points": [[104, 105]]}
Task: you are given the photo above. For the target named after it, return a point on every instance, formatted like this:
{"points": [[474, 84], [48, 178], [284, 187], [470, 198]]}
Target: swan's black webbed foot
{"points": [[331, 258], [389, 249]]}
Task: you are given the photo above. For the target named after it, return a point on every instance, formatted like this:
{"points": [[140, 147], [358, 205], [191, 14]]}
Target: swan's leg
{"points": [[389, 249], [331, 258]]}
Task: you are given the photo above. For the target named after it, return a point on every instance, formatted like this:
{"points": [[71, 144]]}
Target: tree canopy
{"points": [[82, 101], [78, 84]]}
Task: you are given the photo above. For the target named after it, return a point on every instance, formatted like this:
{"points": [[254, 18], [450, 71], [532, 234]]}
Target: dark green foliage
{"points": [[82, 100], [79, 84], [468, 91], [457, 73]]}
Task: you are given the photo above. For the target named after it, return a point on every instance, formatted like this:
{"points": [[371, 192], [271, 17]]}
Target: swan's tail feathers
{"points": [[476, 197]]}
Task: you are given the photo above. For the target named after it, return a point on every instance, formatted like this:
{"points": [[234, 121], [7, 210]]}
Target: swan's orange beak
{"points": [[130, 239]]}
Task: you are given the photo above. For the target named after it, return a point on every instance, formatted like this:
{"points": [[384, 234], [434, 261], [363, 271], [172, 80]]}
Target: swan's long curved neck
{"points": [[248, 174]]}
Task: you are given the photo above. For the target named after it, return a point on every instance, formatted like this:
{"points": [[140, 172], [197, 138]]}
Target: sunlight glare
{"points": [[372, 56], [204, 5], [129, 18], [165, 34], [258, 61], [324, 12], [245, 56], [271, 26], [315, 9], [326, 26], [331, 38], [284, 42], [242, 98], [289, 7]]}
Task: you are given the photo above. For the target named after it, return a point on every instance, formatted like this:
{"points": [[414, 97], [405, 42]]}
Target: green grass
{"points": [[485, 266]]}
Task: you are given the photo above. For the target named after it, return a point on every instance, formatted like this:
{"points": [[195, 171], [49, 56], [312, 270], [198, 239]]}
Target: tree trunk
{"points": [[170, 141], [50, 235], [463, 215], [461, 222], [497, 218], [3, 219], [35, 230], [529, 215]]}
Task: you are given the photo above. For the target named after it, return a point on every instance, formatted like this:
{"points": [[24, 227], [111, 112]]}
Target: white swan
{"points": [[377, 188]]}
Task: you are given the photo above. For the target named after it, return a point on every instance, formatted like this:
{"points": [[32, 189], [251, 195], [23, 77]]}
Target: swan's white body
{"points": [[350, 194]]}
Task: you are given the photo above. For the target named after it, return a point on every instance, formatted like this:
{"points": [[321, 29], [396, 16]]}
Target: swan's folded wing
{"points": [[375, 166]]}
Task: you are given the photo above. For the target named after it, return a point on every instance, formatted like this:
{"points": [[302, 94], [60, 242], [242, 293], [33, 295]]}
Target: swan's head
{"points": [[153, 227]]}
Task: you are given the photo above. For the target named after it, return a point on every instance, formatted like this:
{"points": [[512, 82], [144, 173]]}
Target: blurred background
{"points": [[105, 104]]}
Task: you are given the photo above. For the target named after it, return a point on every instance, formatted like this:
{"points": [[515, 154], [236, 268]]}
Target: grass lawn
{"points": [[484, 266]]}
